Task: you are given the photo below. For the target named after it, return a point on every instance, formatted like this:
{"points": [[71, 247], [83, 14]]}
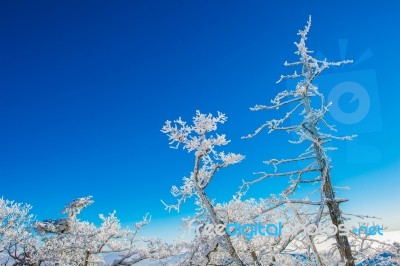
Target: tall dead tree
{"points": [[309, 130]]}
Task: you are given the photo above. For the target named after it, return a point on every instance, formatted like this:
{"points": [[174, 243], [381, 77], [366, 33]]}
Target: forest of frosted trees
{"points": [[72, 241]]}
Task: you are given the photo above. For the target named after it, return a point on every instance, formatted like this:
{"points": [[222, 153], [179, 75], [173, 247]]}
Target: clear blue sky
{"points": [[85, 87]]}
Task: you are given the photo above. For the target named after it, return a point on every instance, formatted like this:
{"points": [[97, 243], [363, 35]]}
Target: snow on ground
{"points": [[392, 236], [388, 237]]}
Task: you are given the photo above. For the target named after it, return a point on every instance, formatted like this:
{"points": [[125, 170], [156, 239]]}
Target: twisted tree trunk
{"points": [[228, 245]]}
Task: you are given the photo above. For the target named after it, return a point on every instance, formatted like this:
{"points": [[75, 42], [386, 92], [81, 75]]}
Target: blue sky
{"points": [[85, 88]]}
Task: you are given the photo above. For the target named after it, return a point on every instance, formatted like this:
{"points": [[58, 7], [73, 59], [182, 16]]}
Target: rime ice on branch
{"points": [[199, 139]]}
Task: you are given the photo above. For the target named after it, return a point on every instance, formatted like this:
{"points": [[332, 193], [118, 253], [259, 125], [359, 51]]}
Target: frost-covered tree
{"points": [[70, 241], [307, 102], [200, 139], [17, 244]]}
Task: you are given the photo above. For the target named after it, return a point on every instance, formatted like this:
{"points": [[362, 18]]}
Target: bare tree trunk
{"points": [[215, 219], [329, 194], [314, 248], [336, 217], [86, 262], [255, 259]]}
